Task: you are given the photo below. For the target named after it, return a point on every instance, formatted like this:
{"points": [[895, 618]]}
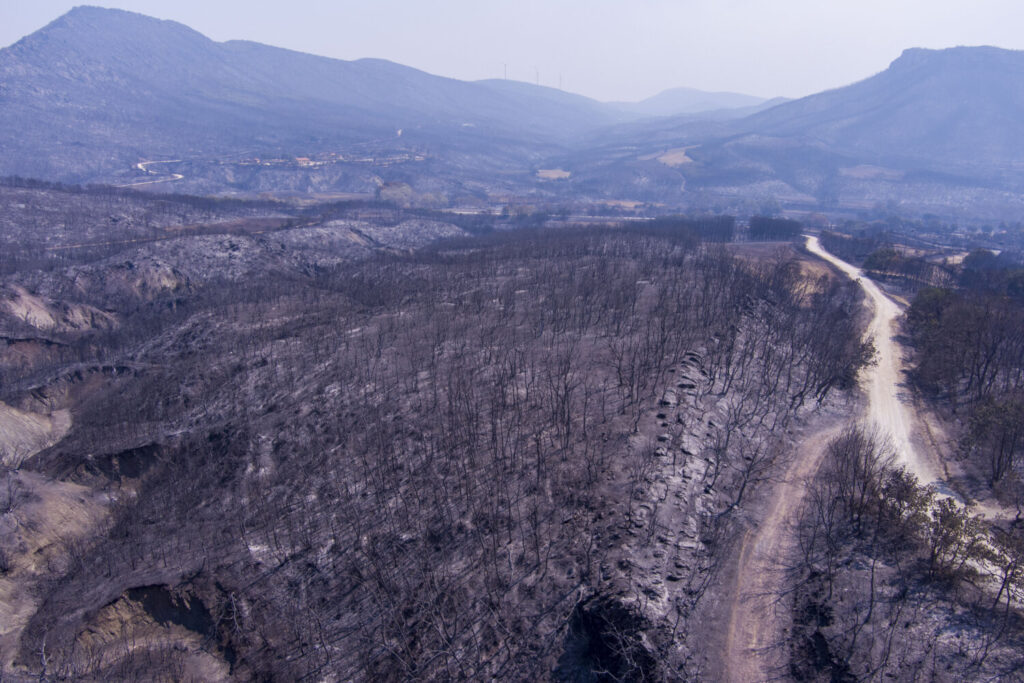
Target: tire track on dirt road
{"points": [[754, 638], [755, 635]]}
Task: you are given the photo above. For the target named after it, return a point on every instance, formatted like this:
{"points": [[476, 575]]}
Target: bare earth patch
{"points": [[39, 533], [124, 630], [42, 520], [676, 157], [23, 433], [553, 174], [44, 315]]}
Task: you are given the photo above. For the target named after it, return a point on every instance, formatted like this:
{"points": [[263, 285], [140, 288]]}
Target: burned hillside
{"points": [[453, 462]]}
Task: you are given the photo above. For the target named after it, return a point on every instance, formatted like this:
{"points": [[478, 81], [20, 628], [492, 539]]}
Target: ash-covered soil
{"points": [[347, 451]]}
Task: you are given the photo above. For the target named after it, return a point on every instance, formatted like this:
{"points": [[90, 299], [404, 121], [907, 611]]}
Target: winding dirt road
{"points": [[755, 635], [888, 401], [143, 166], [754, 640]]}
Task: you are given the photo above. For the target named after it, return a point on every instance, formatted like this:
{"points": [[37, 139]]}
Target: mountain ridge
{"points": [[96, 91], [928, 106], [99, 79], [938, 132], [684, 100]]}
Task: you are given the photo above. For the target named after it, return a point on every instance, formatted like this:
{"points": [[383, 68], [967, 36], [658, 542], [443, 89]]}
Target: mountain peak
{"points": [[94, 13], [967, 56], [959, 106], [96, 10], [113, 86], [91, 42], [101, 23]]}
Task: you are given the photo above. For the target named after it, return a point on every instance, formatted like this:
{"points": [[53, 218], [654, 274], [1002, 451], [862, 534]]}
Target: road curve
{"points": [[887, 406], [756, 631], [163, 179], [755, 638]]}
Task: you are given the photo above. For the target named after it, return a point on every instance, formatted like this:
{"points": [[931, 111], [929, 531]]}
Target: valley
{"points": [[339, 370], [301, 124]]}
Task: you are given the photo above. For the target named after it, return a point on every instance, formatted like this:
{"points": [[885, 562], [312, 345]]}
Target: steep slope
{"points": [[961, 106], [939, 131], [98, 89]]}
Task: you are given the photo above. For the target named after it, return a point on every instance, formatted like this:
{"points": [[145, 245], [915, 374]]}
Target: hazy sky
{"points": [[608, 49]]}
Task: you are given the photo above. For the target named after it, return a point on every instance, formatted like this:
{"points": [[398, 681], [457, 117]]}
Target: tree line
{"points": [[969, 342]]}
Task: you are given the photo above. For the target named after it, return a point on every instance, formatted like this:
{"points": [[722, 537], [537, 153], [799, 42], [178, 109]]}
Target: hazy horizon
{"points": [[606, 49]]}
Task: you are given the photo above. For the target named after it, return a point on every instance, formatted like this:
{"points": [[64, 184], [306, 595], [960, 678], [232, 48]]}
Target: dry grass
{"points": [[553, 174], [671, 157], [40, 535], [23, 433], [812, 269], [676, 157], [624, 203], [123, 630]]}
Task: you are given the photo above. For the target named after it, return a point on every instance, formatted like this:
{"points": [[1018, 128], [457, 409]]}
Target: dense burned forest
{"points": [[519, 455], [969, 342], [325, 370]]}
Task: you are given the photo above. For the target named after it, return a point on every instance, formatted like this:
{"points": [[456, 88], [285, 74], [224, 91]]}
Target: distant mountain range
{"points": [[679, 101], [949, 108], [96, 92], [98, 88], [938, 131]]}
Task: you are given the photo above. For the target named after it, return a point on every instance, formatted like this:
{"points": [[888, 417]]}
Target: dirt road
{"points": [[755, 632], [143, 166], [888, 402]]}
